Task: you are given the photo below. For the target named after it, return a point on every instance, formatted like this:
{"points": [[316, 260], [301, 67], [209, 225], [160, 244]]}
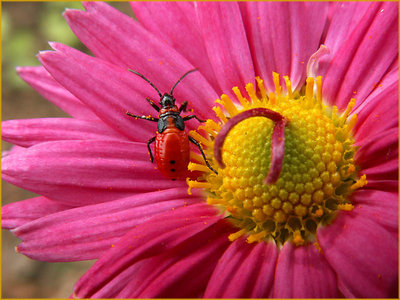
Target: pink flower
{"points": [[102, 198]]}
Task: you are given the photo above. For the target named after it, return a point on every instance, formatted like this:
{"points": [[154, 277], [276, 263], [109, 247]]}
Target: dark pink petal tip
{"points": [[277, 143]]}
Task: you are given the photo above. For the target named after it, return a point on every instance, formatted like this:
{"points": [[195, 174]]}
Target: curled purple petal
{"points": [[277, 143], [277, 151]]}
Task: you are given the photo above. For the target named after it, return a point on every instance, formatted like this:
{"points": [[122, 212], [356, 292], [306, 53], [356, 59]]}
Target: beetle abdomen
{"points": [[172, 152]]}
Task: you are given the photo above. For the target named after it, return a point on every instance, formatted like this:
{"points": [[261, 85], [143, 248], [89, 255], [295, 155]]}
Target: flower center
{"points": [[279, 180]]}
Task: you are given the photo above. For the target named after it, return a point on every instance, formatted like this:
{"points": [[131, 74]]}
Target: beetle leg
{"points": [[183, 107], [155, 106], [148, 118], [191, 117], [202, 153], [148, 147]]}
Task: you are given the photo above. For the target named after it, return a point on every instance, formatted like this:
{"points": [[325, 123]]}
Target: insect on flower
{"points": [[172, 150]]}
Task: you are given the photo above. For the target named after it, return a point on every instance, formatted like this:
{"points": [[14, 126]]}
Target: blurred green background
{"points": [[25, 29]]}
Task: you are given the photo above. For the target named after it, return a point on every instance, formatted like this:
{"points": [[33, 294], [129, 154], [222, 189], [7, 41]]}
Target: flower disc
{"points": [[317, 172]]}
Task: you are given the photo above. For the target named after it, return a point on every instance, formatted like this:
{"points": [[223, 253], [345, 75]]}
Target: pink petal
{"points": [[363, 254], [225, 40], [387, 170], [379, 111], [17, 214], [282, 37], [244, 271], [378, 157], [14, 149], [108, 90], [379, 206], [116, 268], [183, 271], [378, 150], [345, 17], [87, 232], [39, 79], [117, 38], [363, 59], [387, 185], [303, 272], [85, 172], [29, 132], [394, 66], [153, 17]]}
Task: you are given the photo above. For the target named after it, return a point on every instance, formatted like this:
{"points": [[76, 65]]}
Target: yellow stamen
{"points": [[297, 238], [193, 184], [196, 157], [215, 201], [278, 88], [288, 86], [200, 138], [220, 114], [261, 88], [319, 90], [210, 127], [228, 104], [207, 130], [351, 123], [213, 125], [272, 99], [196, 167], [351, 169], [348, 109], [346, 207], [360, 182], [237, 234], [256, 237], [309, 90], [334, 114], [243, 101], [252, 93]]}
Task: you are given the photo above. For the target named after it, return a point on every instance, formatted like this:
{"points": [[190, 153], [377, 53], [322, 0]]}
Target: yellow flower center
{"points": [[316, 177]]}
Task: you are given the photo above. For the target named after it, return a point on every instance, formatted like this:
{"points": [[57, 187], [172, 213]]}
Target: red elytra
{"points": [[172, 151]]}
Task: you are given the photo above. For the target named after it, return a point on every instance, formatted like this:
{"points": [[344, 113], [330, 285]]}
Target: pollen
{"points": [[285, 161]]}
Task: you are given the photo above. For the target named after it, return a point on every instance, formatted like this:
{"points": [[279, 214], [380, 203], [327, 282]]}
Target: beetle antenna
{"points": [[137, 73], [190, 71]]}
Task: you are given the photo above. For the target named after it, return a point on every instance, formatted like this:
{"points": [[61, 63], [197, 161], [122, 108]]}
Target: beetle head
{"points": [[167, 101]]}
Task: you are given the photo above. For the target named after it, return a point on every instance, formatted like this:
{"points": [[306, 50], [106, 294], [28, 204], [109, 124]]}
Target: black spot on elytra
{"points": [[172, 170], [171, 162]]}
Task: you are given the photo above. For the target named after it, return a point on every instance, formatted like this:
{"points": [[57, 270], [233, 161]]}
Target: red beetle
{"points": [[172, 150]]}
